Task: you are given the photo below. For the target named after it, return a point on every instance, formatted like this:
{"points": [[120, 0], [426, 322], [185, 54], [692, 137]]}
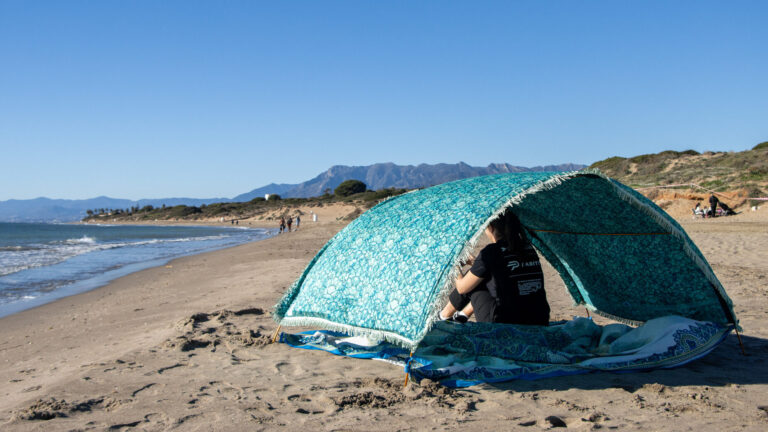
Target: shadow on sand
{"points": [[722, 367]]}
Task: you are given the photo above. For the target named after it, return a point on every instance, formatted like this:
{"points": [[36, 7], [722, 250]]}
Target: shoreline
{"points": [[187, 346], [249, 224], [111, 274]]}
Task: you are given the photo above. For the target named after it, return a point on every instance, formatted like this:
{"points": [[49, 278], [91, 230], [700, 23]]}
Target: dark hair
{"points": [[507, 228]]}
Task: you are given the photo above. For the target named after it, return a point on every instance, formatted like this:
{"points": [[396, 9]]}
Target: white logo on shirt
{"points": [[528, 287], [513, 265]]}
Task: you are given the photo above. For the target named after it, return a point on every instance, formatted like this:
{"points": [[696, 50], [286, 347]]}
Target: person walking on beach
{"points": [[282, 224], [298, 222], [290, 221], [505, 283]]}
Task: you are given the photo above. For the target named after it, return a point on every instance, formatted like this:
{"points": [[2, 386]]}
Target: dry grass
{"points": [[717, 171]]}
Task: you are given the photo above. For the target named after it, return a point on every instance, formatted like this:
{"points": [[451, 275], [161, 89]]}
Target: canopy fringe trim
{"points": [[616, 318], [374, 334]]}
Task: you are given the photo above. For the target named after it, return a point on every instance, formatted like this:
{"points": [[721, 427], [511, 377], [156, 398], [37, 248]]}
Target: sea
{"points": [[40, 263]]}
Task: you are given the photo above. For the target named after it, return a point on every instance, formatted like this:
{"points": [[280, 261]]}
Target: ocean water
{"points": [[43, 262]]}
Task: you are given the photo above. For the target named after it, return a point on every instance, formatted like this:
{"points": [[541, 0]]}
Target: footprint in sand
{"points": [[151, 421], [143, 388], [212, 330], [280, 367], [220, 390], [303, 404], [166, 368]]}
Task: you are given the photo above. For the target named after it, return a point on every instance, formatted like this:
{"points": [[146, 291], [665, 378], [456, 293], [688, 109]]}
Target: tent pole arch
{"points": [[514, 191]]}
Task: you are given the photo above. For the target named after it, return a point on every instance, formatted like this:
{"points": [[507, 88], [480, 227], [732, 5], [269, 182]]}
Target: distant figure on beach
{"points": [[505, 283], [697, 211], [290, 221], [727, 210], [298, 221], [713, 201], [282, 224]]}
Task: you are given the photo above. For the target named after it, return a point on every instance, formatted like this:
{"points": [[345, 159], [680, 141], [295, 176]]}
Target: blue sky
{"points": [[205, 99]]}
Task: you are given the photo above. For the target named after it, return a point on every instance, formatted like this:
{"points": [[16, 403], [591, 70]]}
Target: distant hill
{"points": [[62, 210], [388, 175], [718, 171], [377, 176]]}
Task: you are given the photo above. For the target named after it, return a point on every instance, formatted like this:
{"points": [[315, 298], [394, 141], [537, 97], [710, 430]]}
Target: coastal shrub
{"points": [[755, 192], [713, 184], [275, 197], [762, 145], [183, 211], [349, 187], [215, 208], [756, 173], [257, 200], [379, 194], [613, 165], [641, 159]]}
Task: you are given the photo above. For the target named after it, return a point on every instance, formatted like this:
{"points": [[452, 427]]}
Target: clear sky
{"points": [[153, 99]]}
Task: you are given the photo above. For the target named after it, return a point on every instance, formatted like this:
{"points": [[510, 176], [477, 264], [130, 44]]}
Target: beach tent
{"points": [[388, 273]]}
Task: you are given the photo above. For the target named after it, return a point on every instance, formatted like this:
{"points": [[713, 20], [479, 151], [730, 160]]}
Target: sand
{"points": [[186, 347]]}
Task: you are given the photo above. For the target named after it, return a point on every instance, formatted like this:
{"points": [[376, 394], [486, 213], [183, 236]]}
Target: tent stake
{"points": [[274, 336], [741, 344], [407, 372], [587, 312]]}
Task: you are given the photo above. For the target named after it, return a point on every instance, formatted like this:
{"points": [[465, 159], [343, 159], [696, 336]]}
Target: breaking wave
{"points": [[14, 259]]}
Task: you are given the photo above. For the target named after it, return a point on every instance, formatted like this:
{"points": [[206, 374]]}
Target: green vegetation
{"points": [[350, 187], [714, 170], [240, 210]]}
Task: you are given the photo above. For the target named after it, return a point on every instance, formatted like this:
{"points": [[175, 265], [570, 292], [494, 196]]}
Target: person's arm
{"points": [[466, 283]]}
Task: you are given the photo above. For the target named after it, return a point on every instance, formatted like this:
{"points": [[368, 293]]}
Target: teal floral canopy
{"points": [[388, 273]]}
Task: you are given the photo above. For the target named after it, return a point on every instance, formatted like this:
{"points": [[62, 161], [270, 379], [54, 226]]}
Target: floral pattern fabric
{"points": [[387, 273]]}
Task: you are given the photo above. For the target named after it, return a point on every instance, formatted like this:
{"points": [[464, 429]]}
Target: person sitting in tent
{"points": [[505, 283]]}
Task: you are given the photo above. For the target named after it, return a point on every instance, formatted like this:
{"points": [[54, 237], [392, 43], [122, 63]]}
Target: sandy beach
{"points": [[186, 347]]}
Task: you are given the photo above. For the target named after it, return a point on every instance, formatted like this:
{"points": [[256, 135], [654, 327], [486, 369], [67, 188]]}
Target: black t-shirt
{"points": [[515, 281]]}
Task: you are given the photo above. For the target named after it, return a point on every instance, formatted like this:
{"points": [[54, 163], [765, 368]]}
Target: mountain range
{"points": [[387, 175], [376, 176]]}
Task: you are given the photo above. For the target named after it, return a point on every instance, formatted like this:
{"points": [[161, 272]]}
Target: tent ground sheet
{"points": [[461, 355]]}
